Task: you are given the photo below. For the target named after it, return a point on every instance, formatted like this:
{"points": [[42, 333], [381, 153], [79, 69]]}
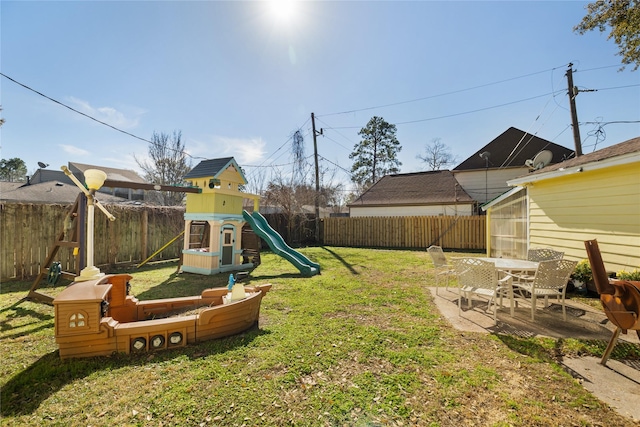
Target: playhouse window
{"points": [[78, 320], [199, 235]]}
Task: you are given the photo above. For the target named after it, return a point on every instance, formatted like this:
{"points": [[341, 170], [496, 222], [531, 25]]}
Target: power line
{"points": [[458, 114], [336, 165], [121, 130], [439, 95], [331, 139], [96, 120], [597, 68]]}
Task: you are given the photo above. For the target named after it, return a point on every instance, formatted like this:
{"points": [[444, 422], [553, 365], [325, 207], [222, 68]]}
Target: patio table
{"points": [[511, 265]]}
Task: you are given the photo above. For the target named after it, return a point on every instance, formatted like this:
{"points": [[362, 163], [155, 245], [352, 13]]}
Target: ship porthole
{"points": [[175, 338], [157, 341], [139, 344]]}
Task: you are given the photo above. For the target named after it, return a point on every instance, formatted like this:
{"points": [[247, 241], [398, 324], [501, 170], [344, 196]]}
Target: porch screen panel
{"points": [[509, 227]]}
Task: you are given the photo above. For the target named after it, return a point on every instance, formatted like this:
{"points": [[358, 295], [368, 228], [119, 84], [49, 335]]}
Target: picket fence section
{"points": [[450, 232]]}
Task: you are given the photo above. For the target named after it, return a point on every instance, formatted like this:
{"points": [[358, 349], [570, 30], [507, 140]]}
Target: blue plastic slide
{"points": [[277, 244]]}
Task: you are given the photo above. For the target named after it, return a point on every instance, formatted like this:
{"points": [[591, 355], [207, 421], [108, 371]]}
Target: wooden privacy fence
{"points": [[463, 232], [28, 232]]}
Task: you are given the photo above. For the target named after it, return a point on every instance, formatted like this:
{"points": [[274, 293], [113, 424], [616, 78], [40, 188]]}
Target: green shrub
{"points": [[628, 275], [582, 272]]}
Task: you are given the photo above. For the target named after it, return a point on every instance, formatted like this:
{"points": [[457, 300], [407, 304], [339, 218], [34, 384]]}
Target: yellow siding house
{"points": [[594, 196]]}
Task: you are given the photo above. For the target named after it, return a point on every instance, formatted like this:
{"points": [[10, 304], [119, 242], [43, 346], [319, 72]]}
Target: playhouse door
{"points": [[227, 246]]}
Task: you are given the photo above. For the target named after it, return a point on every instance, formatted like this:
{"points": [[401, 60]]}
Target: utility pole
{"points": [[317, 195], [573, 92]]}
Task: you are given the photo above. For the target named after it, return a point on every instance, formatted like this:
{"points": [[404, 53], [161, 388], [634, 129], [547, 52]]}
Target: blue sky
{"points": [[238, 80]]}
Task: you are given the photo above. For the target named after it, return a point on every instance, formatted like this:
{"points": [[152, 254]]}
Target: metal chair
{"points": [[481, 278], [551, 279], [543, 254], [441, 265], [620, 299]]}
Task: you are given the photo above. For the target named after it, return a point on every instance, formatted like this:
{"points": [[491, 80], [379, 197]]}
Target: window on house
{"points": [[509, 227]]}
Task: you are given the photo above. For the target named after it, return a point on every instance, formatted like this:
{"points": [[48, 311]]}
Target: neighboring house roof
{"points": [[624, 152], [51, 192], [46, 175], [213, 168], [9, 186], [511, 149], [113, 174], [420, 188]]}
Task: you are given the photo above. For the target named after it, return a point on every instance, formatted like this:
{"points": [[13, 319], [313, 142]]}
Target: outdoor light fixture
{"points": [[94, 179]]}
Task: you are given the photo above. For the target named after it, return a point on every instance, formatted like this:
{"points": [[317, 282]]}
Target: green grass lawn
{"points": [[362, 344]]}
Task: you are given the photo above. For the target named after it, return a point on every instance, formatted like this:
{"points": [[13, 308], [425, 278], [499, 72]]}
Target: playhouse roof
{"points": [[213, 168]]}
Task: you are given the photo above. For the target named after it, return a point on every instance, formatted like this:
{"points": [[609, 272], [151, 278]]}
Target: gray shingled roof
{"points": [[113, 174], [420, 188], [212, 167], [51, 192], [511, 149]]}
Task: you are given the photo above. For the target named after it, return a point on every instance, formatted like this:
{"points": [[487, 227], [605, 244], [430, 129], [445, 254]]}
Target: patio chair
{"points": [[442, 268], [620, 299], [550, 280], [480, 277], [543, 254]]}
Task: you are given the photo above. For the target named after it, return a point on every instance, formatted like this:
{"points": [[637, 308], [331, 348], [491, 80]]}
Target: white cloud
{"points": [[74, 151], [244, 150], [108, 115]]}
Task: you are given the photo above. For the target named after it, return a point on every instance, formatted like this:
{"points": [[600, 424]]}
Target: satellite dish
{"points": [[42, 165], [541, 159]]}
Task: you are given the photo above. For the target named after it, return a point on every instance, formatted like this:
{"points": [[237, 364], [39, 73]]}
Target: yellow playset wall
{"points": [[199, 261], [218, 202]]}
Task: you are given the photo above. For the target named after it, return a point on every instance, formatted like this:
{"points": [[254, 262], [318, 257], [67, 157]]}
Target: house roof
{"points": [[213, 168], [624, 152], [420, 188], [511, 149], [51, 192], [113, 174], [631, 146], [45, 175]]}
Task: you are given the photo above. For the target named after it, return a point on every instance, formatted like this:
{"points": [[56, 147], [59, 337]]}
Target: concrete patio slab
{"points": [[617, 384]]}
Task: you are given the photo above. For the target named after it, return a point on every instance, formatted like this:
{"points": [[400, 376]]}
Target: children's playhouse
{"points": [[220, 236]]}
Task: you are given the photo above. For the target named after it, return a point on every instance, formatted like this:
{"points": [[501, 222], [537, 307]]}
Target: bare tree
{"points": [[331, 192], [256, 181], [168, 165], [436, 156]]}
